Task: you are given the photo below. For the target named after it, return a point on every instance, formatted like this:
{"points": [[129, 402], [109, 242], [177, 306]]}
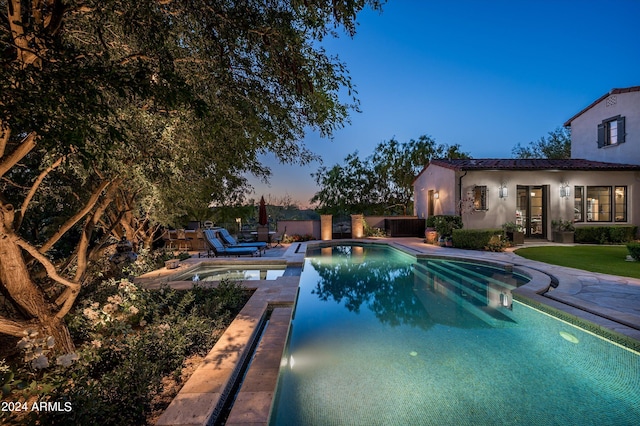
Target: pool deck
{"points": [[609, 302]]}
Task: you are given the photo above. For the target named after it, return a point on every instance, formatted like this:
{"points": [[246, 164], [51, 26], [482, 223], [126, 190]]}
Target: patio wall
{"points": [[299, 227], [312, 227]]}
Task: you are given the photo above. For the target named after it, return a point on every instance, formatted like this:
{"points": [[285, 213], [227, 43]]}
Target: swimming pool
{"points": [[381, 338]]}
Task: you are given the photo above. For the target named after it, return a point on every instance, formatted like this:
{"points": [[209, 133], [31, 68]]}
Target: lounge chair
{"points": [[231, 242], [218, 249]]}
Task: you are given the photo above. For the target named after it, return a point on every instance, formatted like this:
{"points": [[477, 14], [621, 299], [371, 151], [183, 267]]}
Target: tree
{"points": [[382, 182], [118, 114], [556, 146]]}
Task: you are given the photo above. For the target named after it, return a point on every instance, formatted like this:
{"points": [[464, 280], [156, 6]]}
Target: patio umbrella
{"points": [[262, 212]]}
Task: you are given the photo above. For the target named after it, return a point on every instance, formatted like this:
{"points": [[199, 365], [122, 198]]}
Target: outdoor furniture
{"points": [[218, 249], [183, 242], [169, 238], [231, 242], [264, 235], [195, 239], [279, 238]]}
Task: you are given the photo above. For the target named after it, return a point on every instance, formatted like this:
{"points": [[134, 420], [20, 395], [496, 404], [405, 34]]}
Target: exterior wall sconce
{"points": [[436, 195], [565, 190], [503, 191]]}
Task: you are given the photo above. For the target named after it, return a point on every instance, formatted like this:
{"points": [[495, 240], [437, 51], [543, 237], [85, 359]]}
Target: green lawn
{"points": [[605, 259]]}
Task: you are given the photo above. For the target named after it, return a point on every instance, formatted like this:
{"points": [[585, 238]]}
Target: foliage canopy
{"points": [[380, 183], [118, 115], [557, 145]]}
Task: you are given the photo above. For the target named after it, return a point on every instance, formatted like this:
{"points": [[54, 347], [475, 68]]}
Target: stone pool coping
{"points": [[204, 395]]}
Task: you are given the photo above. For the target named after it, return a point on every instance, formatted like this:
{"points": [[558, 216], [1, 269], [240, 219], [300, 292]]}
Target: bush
{"points": [[128, 339], [297, 238], [605, 234], [371, 231], [497, 243], [444, 224], [476, 239], [634, 250]]}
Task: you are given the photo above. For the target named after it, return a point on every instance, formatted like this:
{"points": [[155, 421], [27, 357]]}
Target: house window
{"points": [[611, 131], [620, 205], [599, 203], [480, 198], [578, 204]]}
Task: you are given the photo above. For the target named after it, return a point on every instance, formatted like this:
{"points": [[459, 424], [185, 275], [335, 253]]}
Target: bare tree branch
{"points": [[4, 138], [32, 192], [12, 328], [27, 144], [82, 247], [75, 218]]}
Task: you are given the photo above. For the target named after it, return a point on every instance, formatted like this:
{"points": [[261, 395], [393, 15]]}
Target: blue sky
{"points": [[485, 74]]}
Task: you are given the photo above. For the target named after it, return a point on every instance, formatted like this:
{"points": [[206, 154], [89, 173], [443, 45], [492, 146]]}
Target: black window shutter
{"points": [[600, 135], [621, 131]]}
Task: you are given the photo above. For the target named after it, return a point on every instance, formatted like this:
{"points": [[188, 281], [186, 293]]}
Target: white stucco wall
{"points": [[441, 180], [502, 210], [584, 131]]}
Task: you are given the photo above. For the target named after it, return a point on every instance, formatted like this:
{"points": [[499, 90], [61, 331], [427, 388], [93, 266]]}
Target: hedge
{"points": [[473, 239], [605, 234]]}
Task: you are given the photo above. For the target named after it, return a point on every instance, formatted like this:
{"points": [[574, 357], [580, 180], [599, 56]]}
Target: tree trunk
{"points": [[24, 294]]}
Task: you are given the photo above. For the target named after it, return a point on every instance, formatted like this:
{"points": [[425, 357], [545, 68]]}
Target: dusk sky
{"points": [[485, 74]]}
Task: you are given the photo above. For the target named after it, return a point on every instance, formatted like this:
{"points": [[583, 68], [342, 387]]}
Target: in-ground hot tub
{"points": [[231, 271]]}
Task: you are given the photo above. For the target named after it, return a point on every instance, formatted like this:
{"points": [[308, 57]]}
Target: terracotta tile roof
{"points": [[530, 164], [600, 99]]}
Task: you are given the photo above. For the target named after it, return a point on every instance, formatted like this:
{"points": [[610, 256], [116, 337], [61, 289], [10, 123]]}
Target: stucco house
{"points": [[600, 184]]}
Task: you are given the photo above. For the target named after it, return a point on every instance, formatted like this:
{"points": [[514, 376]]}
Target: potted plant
{"points": [[514, 233], [563, 231], [444, 226]]}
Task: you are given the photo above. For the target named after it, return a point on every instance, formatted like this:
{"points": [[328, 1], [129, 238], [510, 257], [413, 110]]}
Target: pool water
{"points": [[380, 338], [230, 272]]}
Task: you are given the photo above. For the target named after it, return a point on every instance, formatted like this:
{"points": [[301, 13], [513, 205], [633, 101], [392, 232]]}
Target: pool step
{"points": [[459, 289]]}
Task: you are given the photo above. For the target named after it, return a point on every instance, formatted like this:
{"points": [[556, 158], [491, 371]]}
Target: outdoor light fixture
{"points": [[505, 300], [565, 190], [436, 195], [503, 192]]}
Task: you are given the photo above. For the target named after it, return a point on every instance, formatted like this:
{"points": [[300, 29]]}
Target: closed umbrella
{"points": [[262, 212]]}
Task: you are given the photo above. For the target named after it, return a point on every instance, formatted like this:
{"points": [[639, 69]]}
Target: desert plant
{"points": [[128, 339]]}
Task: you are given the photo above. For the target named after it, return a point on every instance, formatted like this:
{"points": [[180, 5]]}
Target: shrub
{"points": [[634, 250], [475, 239], [562, 225], [511, 227], [128, 339], [371, 231], [605, 234], [297, 238], [445, 224], [496, 243]]}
